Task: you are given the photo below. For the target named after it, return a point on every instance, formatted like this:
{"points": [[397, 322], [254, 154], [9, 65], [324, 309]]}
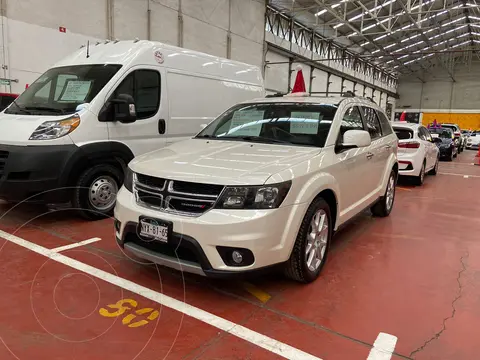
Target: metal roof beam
{"points": [[366, 37]]}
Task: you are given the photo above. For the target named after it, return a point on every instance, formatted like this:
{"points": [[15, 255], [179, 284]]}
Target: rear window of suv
{"points": [[402, 133]]}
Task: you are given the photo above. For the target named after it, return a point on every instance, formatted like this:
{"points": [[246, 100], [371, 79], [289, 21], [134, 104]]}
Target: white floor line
{"points": [[260, 340], [75, 245], [383, 347], [454, 174]]}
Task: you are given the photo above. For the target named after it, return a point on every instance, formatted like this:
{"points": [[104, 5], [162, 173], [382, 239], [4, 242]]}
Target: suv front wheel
{"points": [[384, 206], [312, 244]]}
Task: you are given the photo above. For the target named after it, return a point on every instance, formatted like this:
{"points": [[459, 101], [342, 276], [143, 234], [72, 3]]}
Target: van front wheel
{"points": [[95, 192]]}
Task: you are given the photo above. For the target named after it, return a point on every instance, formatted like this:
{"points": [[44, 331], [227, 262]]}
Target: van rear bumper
{"points": [[34, 173]]}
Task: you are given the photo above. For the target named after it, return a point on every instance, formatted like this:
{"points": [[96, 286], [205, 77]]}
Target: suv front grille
{"points": [[185, 198], [3, 160]]}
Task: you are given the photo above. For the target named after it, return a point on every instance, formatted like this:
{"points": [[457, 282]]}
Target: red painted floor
{"points": [[414, 275]]}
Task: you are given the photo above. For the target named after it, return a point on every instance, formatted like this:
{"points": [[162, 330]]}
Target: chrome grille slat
{"points": [[186, 203]]}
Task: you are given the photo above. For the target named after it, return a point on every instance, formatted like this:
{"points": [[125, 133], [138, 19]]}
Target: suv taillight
{"points": [[409, 145]]}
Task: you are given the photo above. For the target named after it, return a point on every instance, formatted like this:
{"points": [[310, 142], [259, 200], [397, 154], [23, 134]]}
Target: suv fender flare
{"points": [[109, 152], [311, 189], [392, 164]]}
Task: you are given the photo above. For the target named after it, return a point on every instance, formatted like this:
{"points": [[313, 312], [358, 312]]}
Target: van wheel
{"points": [[96, 190], [311, 247], [384, 206]]}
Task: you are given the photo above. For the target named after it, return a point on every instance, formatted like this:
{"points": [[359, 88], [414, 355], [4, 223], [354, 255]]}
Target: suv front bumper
{"points": [[195, 243]]}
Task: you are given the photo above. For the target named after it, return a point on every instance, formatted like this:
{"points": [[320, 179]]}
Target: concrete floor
{"points": [[414, 275]]}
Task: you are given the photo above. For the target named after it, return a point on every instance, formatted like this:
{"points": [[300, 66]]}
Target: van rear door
{"points": [[147, 86]]}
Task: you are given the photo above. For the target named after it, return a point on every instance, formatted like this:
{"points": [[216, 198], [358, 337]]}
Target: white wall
{"points": [[440, 92], [31, 41]]}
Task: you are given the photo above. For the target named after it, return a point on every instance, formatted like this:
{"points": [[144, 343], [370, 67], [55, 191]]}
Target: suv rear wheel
{"points": [[384, 206], [420, 179], [95, 192], [311, 247]]}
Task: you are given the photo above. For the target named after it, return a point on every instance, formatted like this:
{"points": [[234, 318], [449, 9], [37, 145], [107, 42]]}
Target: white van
{"points": [[71, 134]]}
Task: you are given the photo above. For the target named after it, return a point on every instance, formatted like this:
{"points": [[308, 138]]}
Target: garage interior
{"points": [[413, 277]]}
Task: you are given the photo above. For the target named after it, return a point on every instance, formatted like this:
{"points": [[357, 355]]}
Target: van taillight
{"points": [[409, 145]]}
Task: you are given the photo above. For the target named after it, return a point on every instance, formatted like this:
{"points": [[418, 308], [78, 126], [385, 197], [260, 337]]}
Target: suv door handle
{"points": [[369, 156], [388, 147], [162, 126]]}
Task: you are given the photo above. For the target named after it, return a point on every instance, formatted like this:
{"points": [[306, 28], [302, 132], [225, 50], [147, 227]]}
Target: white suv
{"points": [[265, 184]]}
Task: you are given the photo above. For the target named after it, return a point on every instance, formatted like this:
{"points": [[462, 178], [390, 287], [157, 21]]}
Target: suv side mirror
{"points": [[124, 109], [356, 139], [353, 139]]}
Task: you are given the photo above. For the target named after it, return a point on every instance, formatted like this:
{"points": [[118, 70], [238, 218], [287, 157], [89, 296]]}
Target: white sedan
{"points": [[473, 141], [417, 152]]}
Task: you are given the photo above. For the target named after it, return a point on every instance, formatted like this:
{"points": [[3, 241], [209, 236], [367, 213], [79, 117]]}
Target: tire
{"points": [[297, 267], [434, 171], [420, 179], [384, 206], [96, 190], [450, 158]]}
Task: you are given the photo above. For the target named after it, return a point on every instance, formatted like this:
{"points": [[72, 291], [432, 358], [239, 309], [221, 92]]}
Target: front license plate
{"points": [[152, 229]]}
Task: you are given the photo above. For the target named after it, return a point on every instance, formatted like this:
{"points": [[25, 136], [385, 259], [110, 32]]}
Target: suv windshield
{"points": [[60, 90], [288, 123]]}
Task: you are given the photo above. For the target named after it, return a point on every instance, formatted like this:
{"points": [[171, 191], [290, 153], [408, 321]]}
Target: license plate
{"points": [[154, 230]]}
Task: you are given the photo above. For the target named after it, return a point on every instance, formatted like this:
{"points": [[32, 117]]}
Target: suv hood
{"points": [[221, 162]]}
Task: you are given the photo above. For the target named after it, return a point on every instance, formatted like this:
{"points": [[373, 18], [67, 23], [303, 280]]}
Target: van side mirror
{"points": [[124, 109]]}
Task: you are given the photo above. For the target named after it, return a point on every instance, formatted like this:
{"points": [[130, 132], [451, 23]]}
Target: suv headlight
{"points": [[253, 197], [56, 129]]}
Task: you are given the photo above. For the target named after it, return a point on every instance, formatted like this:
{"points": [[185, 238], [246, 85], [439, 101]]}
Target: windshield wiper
{"points": [[21, 108], [45, 108], [255, 138]]}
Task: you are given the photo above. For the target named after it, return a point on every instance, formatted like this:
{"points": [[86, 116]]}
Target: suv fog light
{"points": [[237, 257]]}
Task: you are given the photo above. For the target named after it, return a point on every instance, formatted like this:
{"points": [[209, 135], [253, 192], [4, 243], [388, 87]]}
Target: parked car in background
{"points": [[445, 141], [6, 99], [473, 141], [417, 153], [460, 140], [466, 133], [265, 184]]}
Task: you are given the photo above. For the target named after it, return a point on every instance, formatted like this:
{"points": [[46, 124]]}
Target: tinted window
{"points": [[352, 120], [372, 122], [426, 134], [144, 87], [403, 133], [384, 123], [421, 134], [287, 123], [5, 101]]}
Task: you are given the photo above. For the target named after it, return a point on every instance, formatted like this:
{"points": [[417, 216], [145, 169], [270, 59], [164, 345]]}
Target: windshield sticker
{"points": [[247, 123], [76, 90], [304, 122]]}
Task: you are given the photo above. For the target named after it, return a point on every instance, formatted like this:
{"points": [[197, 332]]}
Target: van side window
{"points": [[384, 123], [144, 87], [352, 120], [373, 124]]}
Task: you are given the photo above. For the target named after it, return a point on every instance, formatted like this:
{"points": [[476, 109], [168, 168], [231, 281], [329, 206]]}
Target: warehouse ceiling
{"points": [[402, 36]]}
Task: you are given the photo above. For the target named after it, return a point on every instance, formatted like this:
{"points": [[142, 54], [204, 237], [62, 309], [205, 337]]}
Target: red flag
{"points": [[299, 86]]}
